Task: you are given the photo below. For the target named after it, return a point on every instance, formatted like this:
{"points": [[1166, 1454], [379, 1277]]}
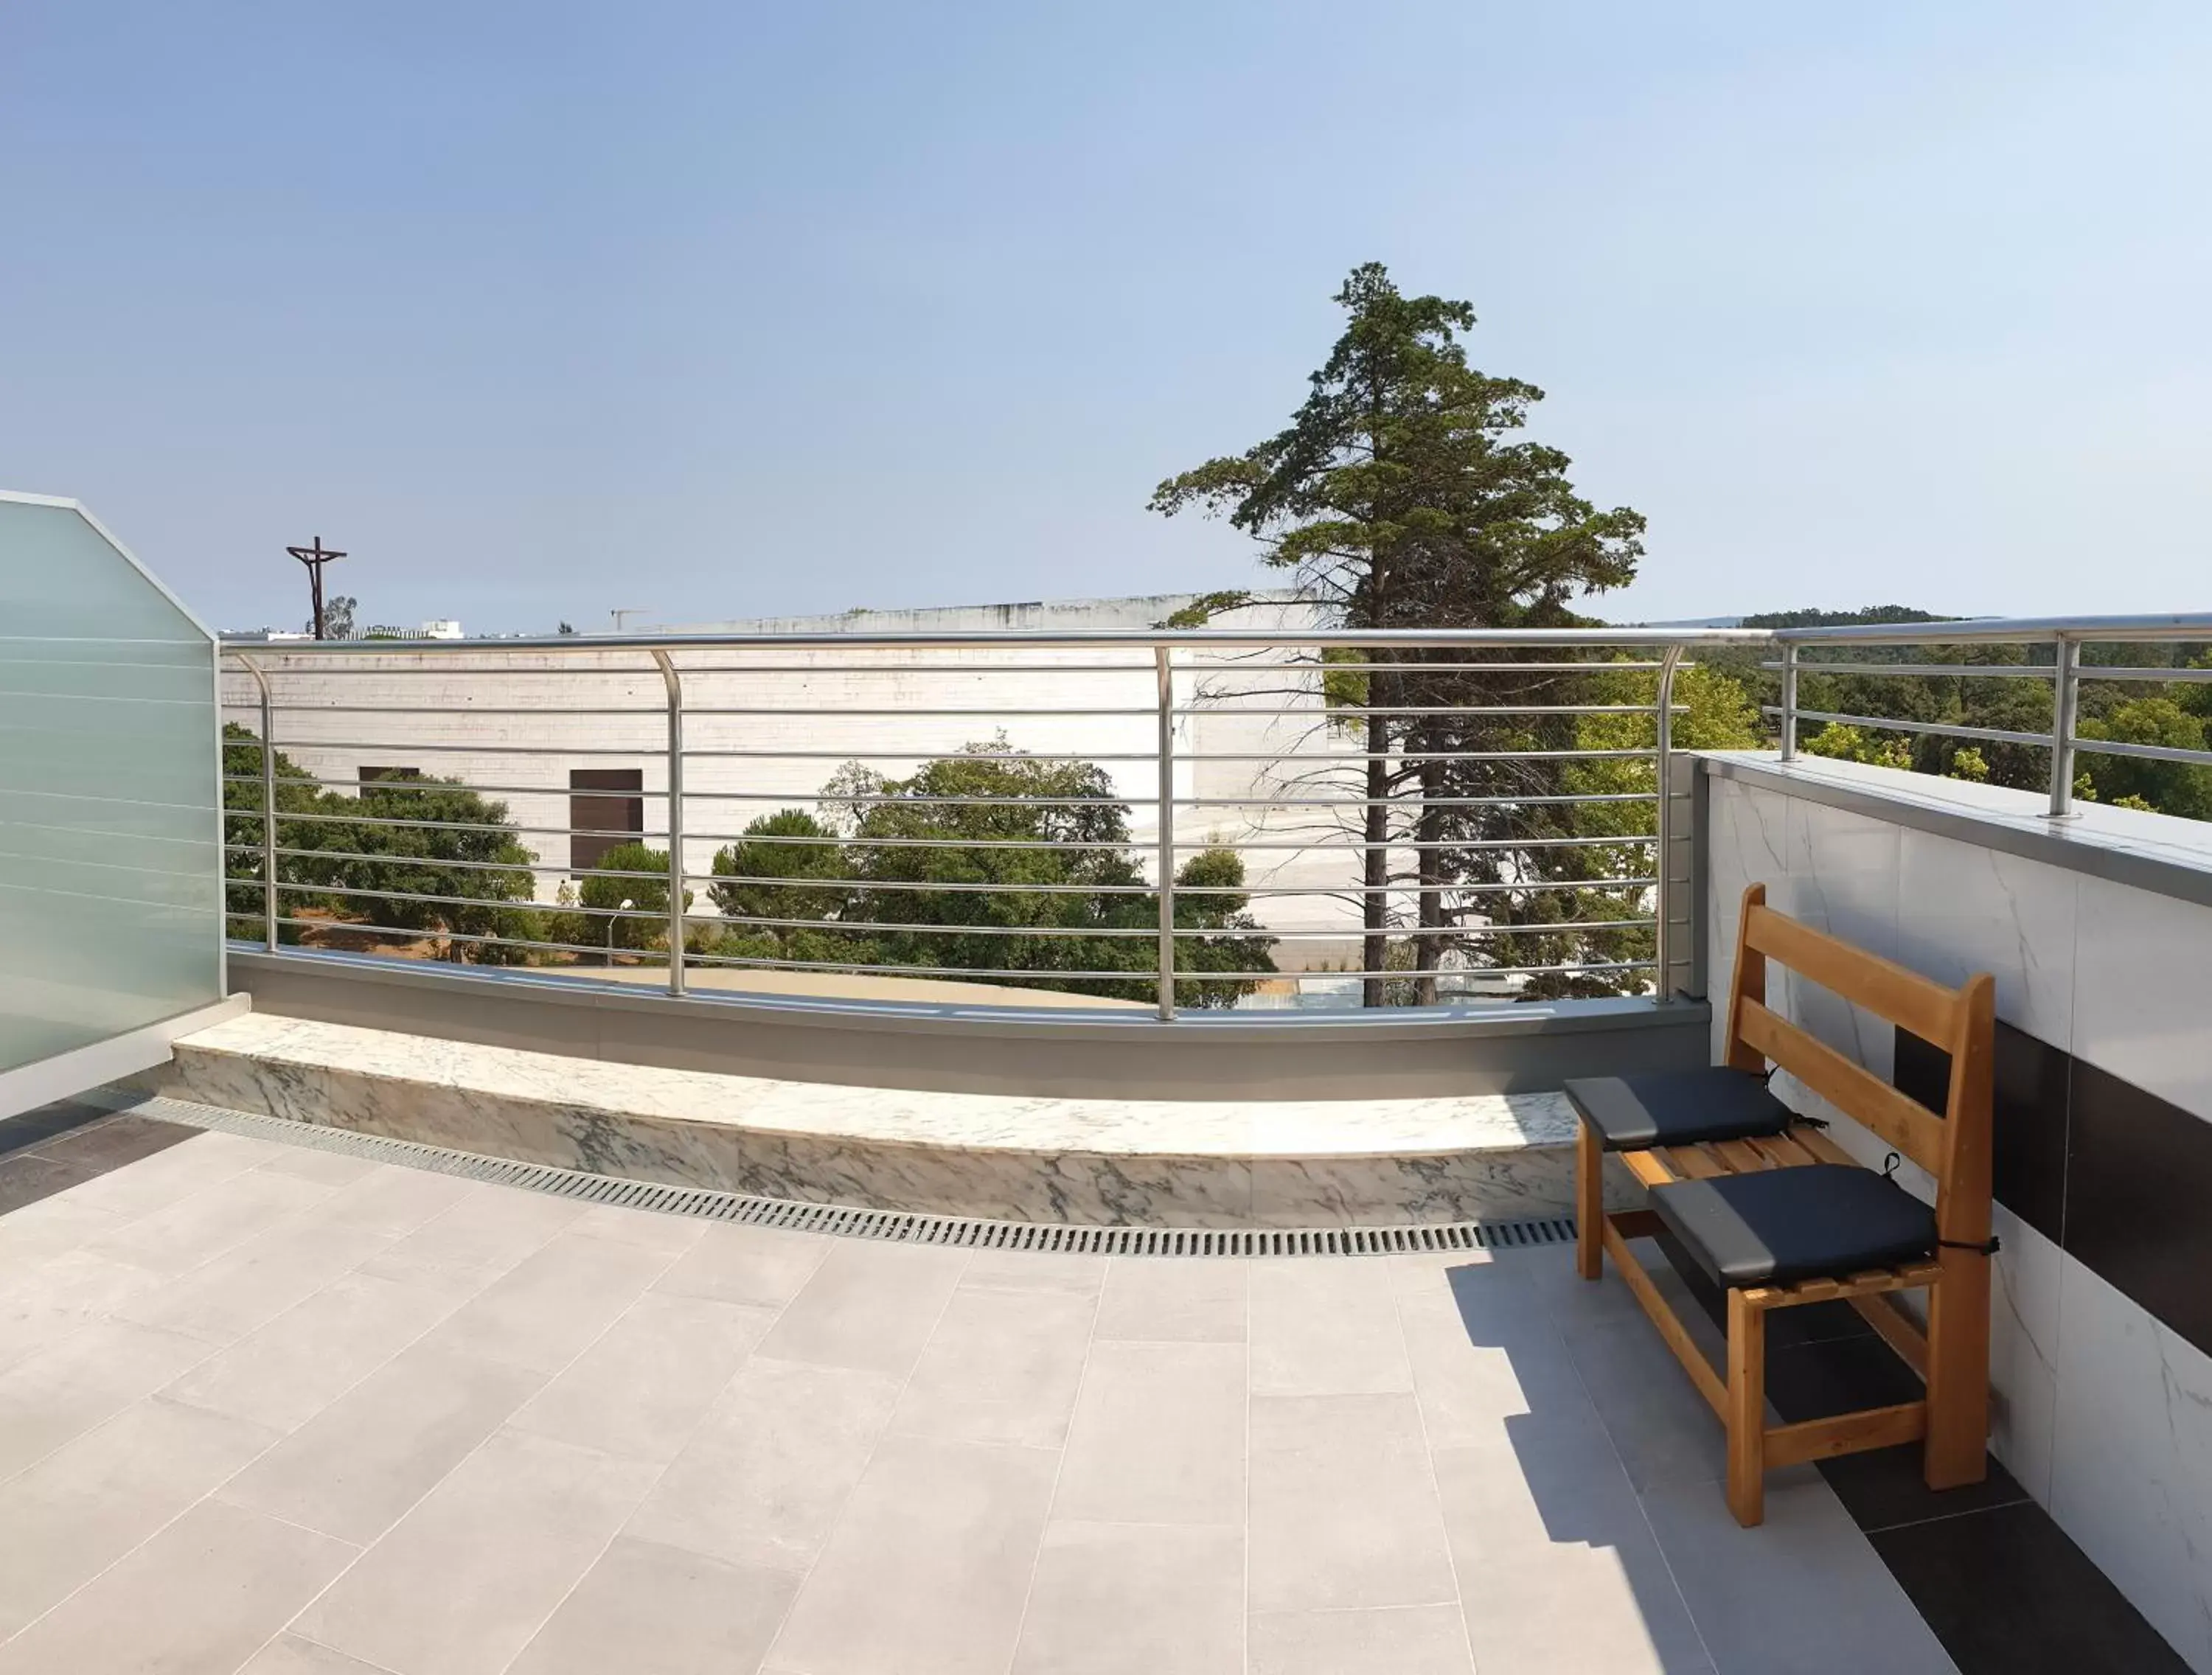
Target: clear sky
{"points": [[729, 310]]}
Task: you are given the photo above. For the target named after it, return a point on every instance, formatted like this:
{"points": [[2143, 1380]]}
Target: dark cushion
{"points": [[1679, 1108], [1819, 1221]]}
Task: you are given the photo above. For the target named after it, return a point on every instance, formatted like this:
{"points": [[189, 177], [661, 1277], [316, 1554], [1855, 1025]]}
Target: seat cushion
{"points": [[1821, 1221], [1678, 1107]]}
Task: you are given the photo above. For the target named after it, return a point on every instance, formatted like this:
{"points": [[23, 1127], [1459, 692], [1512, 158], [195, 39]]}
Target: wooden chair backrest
{"points": [[1955, 1147]]}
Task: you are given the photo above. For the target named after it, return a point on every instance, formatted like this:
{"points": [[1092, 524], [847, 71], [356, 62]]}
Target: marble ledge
{"points": [[1101, 1162]]}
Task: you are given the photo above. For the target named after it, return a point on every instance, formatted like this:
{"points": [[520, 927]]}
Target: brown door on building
{"points": [[598, 808]]}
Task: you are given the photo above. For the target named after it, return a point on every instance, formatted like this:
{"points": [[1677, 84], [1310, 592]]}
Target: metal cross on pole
{"points": [[314, 558]]}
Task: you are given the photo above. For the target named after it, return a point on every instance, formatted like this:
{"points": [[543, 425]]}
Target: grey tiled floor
{"points": [[270, 1410]]}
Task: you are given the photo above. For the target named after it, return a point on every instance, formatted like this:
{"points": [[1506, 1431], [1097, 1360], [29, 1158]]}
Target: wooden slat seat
{"points": [[1679, 1108], [1780, 1216], [1770, 1227]]}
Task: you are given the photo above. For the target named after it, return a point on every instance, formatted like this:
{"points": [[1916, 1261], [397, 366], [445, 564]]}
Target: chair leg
{"points": [[1957, 1449], [1747, 1409], [1589, 1203]]}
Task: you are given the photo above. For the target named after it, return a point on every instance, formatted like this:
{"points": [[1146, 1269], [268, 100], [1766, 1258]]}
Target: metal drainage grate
{"points": [[898, 1226]]}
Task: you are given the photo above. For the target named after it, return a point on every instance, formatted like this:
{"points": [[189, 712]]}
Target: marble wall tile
{"points": [[2027, 1276], [1963, 909], [2142, 991], [1842, 878], [2131, 1478], [1745, 844]]}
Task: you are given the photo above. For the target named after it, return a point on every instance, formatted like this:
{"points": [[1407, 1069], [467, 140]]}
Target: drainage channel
{"points": [[844, 1221]]}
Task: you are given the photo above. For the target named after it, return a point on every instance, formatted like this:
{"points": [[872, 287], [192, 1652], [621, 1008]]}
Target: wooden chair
{"points": [[1780, 1216]]}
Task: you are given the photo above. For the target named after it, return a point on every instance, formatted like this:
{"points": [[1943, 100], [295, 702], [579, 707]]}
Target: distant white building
{"points": [[579, 739]]}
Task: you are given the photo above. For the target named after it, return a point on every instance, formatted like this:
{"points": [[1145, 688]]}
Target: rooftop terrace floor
{"points": [[271, 1409]]}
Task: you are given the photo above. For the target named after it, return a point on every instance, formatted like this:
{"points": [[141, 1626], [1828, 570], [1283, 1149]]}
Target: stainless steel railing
{"points": [[1232, 740], [1484, 790], [2065, 637]]}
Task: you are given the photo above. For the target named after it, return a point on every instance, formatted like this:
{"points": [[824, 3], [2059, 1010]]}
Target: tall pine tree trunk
{"points": [[1376, 873]]}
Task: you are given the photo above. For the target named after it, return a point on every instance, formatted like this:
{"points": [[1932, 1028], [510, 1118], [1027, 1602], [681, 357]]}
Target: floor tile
{"points": [[756, 1264], [120, 1140], [205, 1224], [197, 1599], [547, 1309], [461, 1583], [648, 1230], [25, 1130], [84, 1506], [1075, 1274], [1159, 1436], [1557, 1569], [88, 1376], [1160, 1300], [929, 1568], [27, 1179], [1325, 1328], [2008, 1593], [1344, 1511], [765, 1475], [355, 1468], [1003, 1366], [249, 1286], [1109, 1599], [650, 1610], [643, 1388], [1408, 1639], [476, 1238], [289, 1654], [1752, 1593], [869, 1306], [51, 1227], [49, 1300], [1483, 1354], [332, 1168], [396, 1201], [292, 1368]]}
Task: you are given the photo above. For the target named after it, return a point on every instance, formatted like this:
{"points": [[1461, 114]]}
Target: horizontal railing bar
{"points": [[2113, 747], [284, 817], [933, 886], [2001, 630], [1320, 846], [1412, 801], [1588, 665], [764, 963], [1303, 757], [2105, 671], [691, 796], [1943, 729], [363, 928], [292, 887], [659, 874], [659, 712], [986, 639], [1321, 712], [1349, 933], [359, 666], [890, 752], [2031, 671]]}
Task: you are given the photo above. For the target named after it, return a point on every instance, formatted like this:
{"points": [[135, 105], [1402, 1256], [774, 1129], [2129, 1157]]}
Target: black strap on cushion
{"points": [[1989, 1247]]}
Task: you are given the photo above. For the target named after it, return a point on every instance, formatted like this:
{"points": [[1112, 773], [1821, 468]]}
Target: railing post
{"points": [[1664, 867], [268, 804], [1789, 701], [2065, 700], [1164, 670], [674, 681]]}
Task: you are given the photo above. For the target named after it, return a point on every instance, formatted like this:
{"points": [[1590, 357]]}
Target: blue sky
{"points": [[730, 309]]}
